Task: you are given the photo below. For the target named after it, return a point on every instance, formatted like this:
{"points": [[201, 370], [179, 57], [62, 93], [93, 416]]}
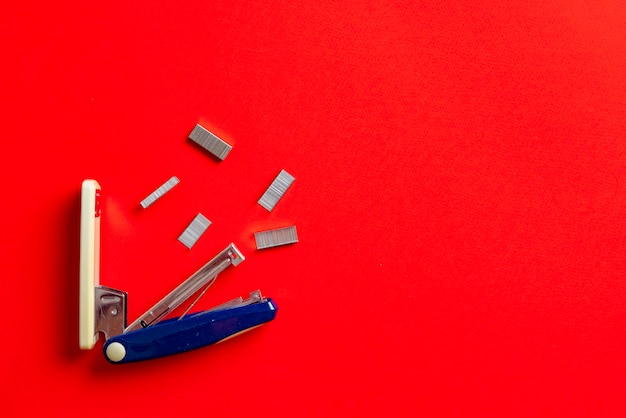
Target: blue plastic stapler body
{"points": [[176, 335]]}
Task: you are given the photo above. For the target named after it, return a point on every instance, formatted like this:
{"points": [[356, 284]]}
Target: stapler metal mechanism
{"points": [[103, 309]]}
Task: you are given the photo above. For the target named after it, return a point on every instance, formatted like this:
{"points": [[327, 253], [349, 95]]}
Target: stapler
{"points": [[103, 309]]}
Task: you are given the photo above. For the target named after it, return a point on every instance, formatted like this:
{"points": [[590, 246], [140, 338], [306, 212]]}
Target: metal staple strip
{"points": [[194, 231], [210, 142], [276, 237], [276, 190], [158, 193]]}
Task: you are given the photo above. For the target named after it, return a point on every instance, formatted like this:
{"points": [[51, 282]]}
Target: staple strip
{"points": [[276, 190], [276, 237], [165, 187], [210, 142], [194, 231]]}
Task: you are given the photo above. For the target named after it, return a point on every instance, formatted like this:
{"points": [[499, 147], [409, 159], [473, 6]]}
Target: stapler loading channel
{"points": [[103, 309]]}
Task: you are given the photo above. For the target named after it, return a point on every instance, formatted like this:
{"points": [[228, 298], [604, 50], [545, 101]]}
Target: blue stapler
{"points": [[103, 309]]}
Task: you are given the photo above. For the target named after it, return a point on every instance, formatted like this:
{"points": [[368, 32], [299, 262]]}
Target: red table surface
{"points": [[459, 198]]}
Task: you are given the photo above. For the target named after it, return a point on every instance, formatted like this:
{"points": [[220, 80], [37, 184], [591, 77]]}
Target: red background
{"points": [[459, 197]]}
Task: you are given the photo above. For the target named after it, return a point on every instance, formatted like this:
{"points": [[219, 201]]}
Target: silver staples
{"points": [[210, 142], [158, 193], [194, 231], [276, 237], [276, 190]]}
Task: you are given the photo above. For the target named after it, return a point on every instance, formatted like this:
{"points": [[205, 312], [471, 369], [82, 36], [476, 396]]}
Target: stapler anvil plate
{"points": [[103, 309]]}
